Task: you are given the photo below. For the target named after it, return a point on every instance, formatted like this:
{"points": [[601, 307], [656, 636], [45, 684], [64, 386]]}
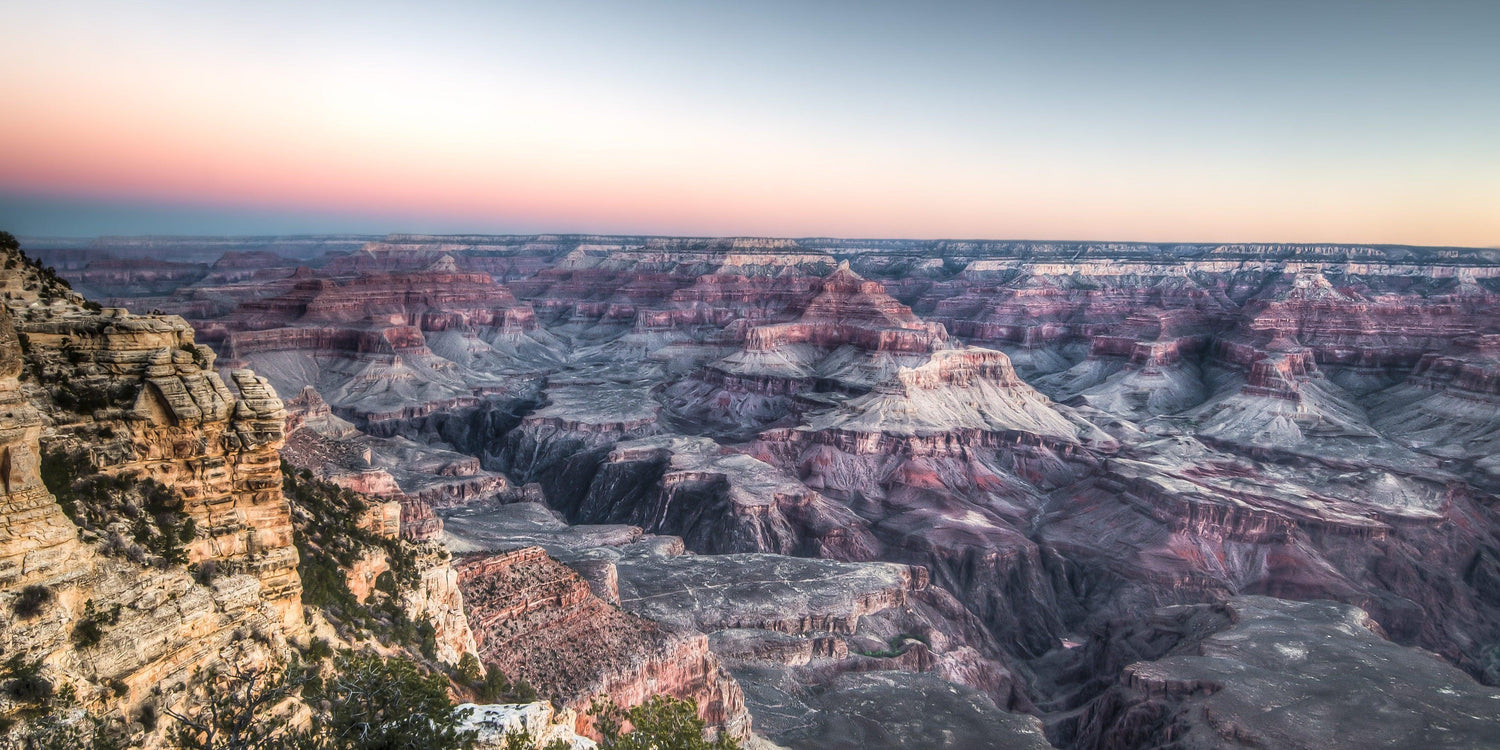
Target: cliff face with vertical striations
{"points": [[39, 539], [145, 539]]}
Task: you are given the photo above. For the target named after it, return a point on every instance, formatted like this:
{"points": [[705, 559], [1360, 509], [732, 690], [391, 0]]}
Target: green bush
{"points": [[159, 523], [329, 540], [661, 723], [90, 628], [494, 686], [373, 703], [318, 650], [523, 740]]}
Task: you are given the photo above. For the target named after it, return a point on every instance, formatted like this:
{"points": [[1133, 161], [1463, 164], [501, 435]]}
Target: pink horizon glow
{"points": [[202, 116]]}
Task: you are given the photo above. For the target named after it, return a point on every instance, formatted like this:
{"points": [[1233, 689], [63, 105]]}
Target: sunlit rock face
{"points": [[121, 399], [1058, 435], [177, 422], [41, 542], [492, 725]]}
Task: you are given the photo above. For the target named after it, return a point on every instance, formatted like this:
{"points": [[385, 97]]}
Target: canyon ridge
{"points": [[840, 493]]}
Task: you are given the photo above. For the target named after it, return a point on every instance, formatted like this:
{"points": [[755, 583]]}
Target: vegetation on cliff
{"points": [[137, 518], [362, 701], [660, 723], [331, 535], [42, 279]]}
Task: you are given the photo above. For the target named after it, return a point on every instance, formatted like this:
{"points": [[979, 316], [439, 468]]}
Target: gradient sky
{"points": [[1302, 121]]}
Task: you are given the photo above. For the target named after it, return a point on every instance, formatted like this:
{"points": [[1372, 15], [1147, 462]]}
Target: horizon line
{"points": [[378, 236]]}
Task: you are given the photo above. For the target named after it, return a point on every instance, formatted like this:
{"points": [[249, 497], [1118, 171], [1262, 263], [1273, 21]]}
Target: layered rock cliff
{"points": [[150, 532], [538, 620], [1059, 434], [1240, 673], [128, 466]]}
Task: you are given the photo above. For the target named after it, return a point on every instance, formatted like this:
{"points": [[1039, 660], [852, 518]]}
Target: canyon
{"points": [[843, 493]]}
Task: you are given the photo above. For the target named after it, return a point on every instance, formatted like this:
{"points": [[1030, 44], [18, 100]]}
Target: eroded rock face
{"points": [[492, 724], [849, 336], [1060, 434], [796, 625], [388, 350], [537, 619], [39, 541], [1275, 673], [718, 500], [132, 397], [163, 413]]}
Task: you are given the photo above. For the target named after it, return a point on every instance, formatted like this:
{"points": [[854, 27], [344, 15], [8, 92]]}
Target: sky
{"points": [[1361, 121]]}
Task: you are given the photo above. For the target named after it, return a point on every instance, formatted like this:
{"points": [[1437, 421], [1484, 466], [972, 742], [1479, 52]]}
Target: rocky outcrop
{"points": [[413, 477], [717, 500], [536, 619], [168, 416], [1286, 674], [800, 634], [849, 310], [388, 351], [438, 597], [848, 337], [493, 724], [38, 542], [122, 398]]}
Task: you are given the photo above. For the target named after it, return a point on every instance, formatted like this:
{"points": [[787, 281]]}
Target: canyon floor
{"points": [[883, 494]]}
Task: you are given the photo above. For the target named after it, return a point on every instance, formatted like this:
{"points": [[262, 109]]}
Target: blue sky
{"points": [[1264, 121]]}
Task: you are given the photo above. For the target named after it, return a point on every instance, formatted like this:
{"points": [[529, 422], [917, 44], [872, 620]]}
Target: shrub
{"points": [[30, 601], [148, 717], [318, 650], [470, 671], [386, 583], [661, 723], [24, 682], [522, 739], [329, 540], [386, 704], [495, 687], [205, 572], [90, 628], [159, 524], [241, 710]]}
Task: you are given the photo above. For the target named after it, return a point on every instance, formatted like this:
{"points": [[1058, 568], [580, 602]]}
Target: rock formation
{"points": [[1272, 673], [118, 402], [493, 724], [1059, 435], [536, 619]]}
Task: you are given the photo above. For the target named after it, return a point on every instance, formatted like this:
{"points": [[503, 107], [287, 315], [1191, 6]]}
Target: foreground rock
{"points": [[130, 406], [492, 724], [790, 630], [536, 619]]}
